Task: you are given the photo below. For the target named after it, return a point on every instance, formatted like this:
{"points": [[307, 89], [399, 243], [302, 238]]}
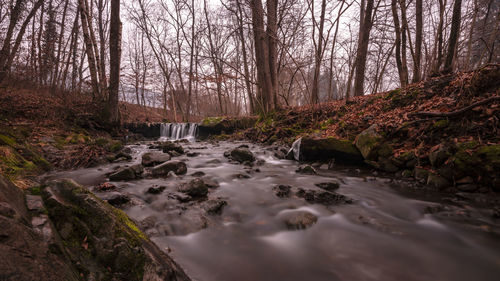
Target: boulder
{"points": [[241, 155], [127, 173], [156, 189], [223, 125], [296, 220], [371, 144], [195, 188], [154, 158], [168, 147], [215, 206], [343, 151], [116, 198], [438, 156], [328, 186], [282, 190], [437, 181], [323, 197], [198, 174], [306, 169], [101, 241], [25, 252], [162, 170]]}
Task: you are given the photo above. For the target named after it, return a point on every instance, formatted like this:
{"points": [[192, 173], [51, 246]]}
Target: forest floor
{"points": [[40, 131], [448, 115]]}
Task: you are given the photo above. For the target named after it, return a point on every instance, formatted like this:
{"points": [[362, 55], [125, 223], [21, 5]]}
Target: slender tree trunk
{"points": [[418, 43], [454, 33], [89, 49], [439, 60], [397, 29], [245, 59], [114, 55], [5, 66], [363, 50], [318, 55]]}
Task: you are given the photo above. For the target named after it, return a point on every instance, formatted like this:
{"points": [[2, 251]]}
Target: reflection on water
{"points": [[381, 236]]}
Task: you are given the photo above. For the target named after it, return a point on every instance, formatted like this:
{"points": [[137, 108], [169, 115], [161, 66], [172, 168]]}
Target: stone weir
{"points": [[207, 127]]}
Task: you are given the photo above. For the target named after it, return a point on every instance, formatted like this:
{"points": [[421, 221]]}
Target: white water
{"points": [[296, 149], [177, 131]]}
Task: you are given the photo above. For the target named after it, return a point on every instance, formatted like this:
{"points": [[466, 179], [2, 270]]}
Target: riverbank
{"points": [[443, 131]]}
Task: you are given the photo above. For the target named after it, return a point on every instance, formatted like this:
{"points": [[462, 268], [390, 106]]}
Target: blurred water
{"points": [[383, 235]]}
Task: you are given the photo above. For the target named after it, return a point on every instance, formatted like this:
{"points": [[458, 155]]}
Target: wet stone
{"points": [[154, 158], [34, 203], [328, 186], [117, 199], [241, 155], [306, 169], [299, 220], [178, 167], [198, 174], [323, 197], [215, 206], [241, 176], [282, 190], [195, 188], [156, 189], [192, 154]]}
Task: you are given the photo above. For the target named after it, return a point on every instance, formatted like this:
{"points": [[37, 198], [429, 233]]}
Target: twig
{"points": [[454, 113]]}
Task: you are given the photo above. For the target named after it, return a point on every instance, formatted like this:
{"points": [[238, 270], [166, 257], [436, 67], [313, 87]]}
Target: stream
{"points": [[388, 232]]}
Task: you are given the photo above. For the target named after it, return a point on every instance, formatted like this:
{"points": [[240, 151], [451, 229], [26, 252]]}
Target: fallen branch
{"points": [[454, 113]]}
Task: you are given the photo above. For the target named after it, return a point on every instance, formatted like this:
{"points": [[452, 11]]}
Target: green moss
{"points": [[392, 93], [115, 146], [101, 142], [5, 140], [35, 190], [440, 124], [211, 121], [138, 235], [467, 145]]}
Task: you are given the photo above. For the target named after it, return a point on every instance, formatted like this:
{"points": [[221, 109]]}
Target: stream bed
{"points": [[240, 230]]}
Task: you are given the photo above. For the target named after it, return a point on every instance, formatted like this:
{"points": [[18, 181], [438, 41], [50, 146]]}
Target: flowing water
{"points": [[177, 131], [383, 235]]}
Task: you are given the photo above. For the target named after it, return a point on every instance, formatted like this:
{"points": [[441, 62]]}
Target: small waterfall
{"points": [[296, 149], [177, 131]]}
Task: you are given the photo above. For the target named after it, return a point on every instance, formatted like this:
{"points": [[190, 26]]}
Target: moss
{"points": [[101, 142], [440, 124], [115, 146], [467, 145], [138, 235], [6, 140], [392, 93], [35, 190], [211, 121]]}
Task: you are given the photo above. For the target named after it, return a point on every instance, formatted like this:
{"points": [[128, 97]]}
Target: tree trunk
{"points": [[454, 33], [318, 55], [397, 29], [418, 43], [245, 59], [363, 50], [89, 49], [114, 60], [262, 56]]}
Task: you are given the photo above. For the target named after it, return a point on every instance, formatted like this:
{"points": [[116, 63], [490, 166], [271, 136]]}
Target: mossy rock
{"points": [[101, 240], [371, 144], [211, 121], [437, 181], [223, 125], [439, 156], [343, 151]]}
